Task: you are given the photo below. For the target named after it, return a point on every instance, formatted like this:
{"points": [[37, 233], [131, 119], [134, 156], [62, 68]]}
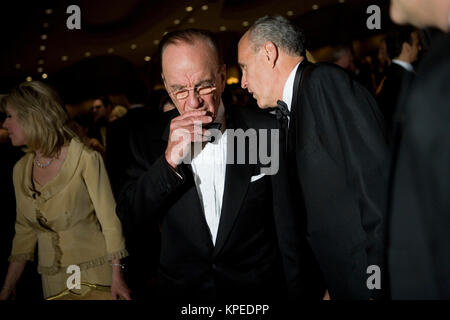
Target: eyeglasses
{"points": [[202, 91]]}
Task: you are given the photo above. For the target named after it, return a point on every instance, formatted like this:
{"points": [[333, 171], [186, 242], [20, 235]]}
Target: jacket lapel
{"points": [[237, 180]]}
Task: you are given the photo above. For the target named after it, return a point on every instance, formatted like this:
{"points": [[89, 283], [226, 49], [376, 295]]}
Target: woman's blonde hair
{"points": [[40, 111]]}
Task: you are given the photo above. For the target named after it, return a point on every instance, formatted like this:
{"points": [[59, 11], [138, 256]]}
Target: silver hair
{"points": [[279, 30]]}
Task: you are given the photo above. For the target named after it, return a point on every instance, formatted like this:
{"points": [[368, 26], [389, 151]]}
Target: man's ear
{"points": [[270, 51], [406, 47]]}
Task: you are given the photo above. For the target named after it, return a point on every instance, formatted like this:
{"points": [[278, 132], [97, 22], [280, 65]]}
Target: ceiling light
{"points": [[87, 54], [29, 79], [18, 66], [45, 25], [315, 7], [48, 11], [189, 9], [40, 69], [245, 23], [44, 76], [191, 20], [42, 48], [133, 46], [64, 58], [44, 37], [110, 50], [41, 61], [204, 7], [176, 21], [147, 58], [341, 1], [156, 42], [223, 28], [290, 13]]}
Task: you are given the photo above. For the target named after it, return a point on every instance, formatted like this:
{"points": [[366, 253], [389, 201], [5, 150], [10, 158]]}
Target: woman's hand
{"points": [[118, 287], [8, 293]]}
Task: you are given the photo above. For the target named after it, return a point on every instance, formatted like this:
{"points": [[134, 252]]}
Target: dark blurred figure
{"points": [[403, 47], [343, 57], [101, 112], [166, 104], [419, 243], [29, 287], [142, 242]]}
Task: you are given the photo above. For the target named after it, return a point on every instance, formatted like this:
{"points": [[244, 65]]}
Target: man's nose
{"points": [[193, 100]]}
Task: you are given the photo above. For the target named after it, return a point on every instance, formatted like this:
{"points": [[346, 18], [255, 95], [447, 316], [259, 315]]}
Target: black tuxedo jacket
{"points": [[339, 151], [258, 253], [419, 237], [397, 78]]}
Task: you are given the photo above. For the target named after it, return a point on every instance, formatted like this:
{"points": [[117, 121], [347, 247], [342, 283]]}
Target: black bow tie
{"points": [[282, 113]]}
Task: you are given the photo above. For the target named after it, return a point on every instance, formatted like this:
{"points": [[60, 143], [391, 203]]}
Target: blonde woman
{"points": [[64, 204]]}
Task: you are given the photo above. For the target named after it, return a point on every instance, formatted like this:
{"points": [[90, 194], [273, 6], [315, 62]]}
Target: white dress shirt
{"points": [[208, 167], [405, 65]]}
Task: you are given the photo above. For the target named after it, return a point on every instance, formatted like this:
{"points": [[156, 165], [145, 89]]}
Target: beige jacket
{"points": [[72, 220]]}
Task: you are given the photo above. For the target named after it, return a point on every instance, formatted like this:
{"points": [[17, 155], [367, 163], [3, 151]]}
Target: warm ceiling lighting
{"points": [[147, 58], [176, 21], [29, 79], [42, 48], [204, 7], [245, 23], [87, 54], [133, 46], [315, 7], [41, 61], [44, 76], [18, 66], [40, 69], [223, 28], [110, 50], [44, 37], [341, 1], [64, 58], [189, 9], [48, 11], [191, 20], [290, 13], [45, 24], [156, 42], [232, 80]]}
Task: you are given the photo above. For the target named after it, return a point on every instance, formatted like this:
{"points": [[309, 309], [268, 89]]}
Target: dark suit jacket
{"points": [[396, 77], [340, 154], [258, 249], [419, 237]]}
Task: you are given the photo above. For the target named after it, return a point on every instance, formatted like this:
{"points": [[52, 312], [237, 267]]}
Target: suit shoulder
{"points": [[323, 71], [254, 118]]}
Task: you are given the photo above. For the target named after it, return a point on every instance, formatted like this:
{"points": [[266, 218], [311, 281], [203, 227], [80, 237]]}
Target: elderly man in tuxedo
{"points": [[419, 237], [337, 153], [228, 230]]}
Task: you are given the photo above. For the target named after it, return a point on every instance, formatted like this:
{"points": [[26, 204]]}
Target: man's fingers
{"points": [[190, 121], [194, 113]]}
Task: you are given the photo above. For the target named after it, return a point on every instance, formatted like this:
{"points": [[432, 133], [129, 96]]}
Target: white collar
{"points": [[288, 89], [404, 64]]}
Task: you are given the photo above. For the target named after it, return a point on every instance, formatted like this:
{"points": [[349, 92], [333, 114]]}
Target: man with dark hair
{"points": [[228, 231], [419, 237], [101, 111], [336, 149], [403, 47]]}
